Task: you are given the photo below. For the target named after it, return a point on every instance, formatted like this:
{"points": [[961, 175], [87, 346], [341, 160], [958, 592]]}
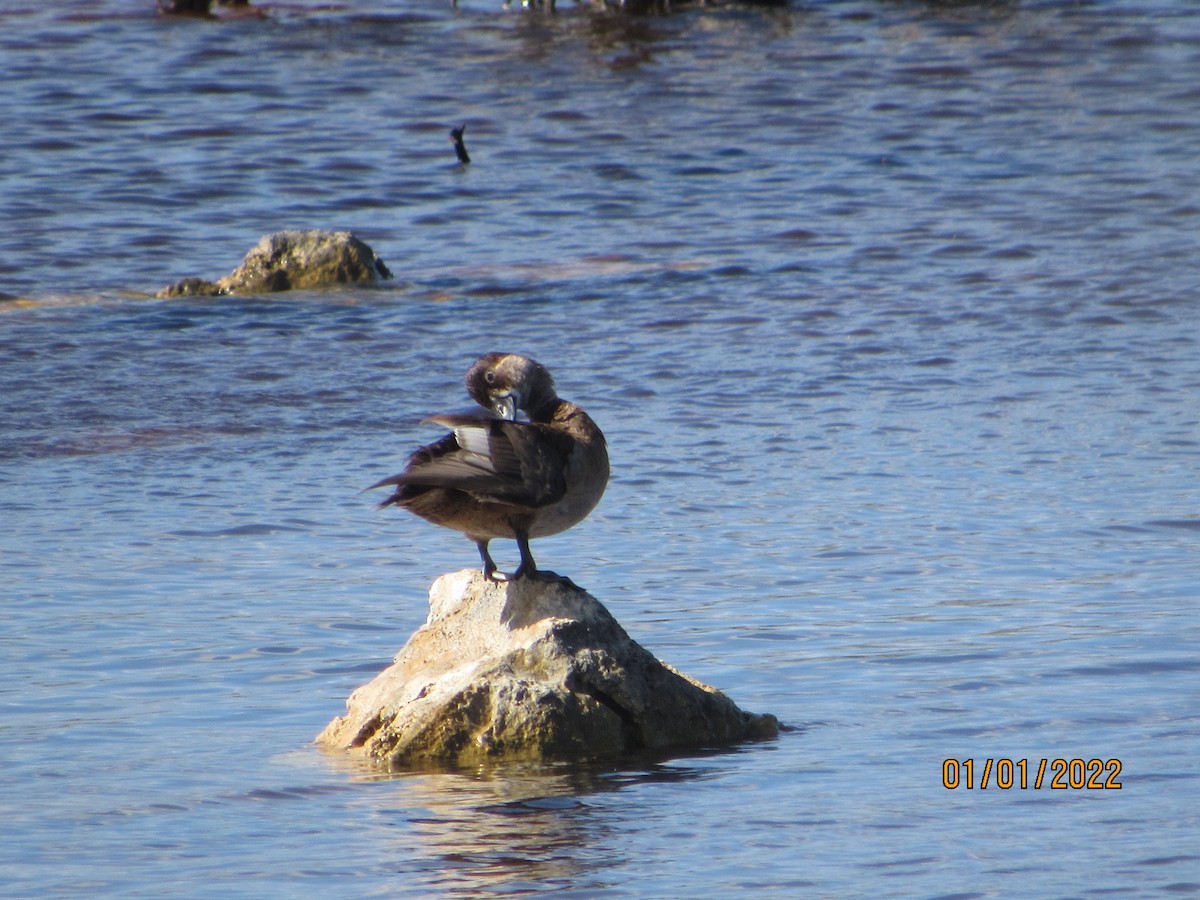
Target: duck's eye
{"points": [[490, 377]]}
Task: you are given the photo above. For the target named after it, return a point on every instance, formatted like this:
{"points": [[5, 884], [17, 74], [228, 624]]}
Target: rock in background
{"points": [[529, 669], [292, 260]]}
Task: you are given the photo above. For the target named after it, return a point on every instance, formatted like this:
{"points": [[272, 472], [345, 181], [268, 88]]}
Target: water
{"points": [[888, 311]]}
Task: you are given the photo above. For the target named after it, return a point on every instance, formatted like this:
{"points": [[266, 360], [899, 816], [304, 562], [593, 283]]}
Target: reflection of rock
{"points": [[530, 669], [508, 826], [500, 827], [292, 260]]}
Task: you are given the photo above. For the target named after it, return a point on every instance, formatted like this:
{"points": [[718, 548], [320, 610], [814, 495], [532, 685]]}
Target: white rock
{"points": [[534, 669]]}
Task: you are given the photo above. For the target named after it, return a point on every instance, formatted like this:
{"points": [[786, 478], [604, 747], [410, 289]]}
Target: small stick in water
{"points": [[460, 149]]}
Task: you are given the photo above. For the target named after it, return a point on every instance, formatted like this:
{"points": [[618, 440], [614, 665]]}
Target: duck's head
{"points": [[506, 382]]}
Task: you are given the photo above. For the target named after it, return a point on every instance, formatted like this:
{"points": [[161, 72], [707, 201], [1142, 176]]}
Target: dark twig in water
{"points": [[460, 149]]}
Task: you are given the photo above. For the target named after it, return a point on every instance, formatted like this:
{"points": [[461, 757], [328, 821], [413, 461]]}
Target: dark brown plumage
{"points": [[495, 477]]}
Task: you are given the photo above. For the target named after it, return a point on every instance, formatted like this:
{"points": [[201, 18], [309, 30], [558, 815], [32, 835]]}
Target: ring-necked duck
{"points": [[496, 477]]}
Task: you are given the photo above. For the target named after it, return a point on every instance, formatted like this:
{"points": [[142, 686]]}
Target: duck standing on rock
{"points": [[496, 477]]}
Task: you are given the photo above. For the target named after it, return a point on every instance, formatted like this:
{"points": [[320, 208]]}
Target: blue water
{"points": [[888, 310]]}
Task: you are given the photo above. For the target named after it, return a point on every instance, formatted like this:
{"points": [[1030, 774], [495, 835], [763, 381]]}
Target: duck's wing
{"points": [[424, 456], [492, 459]]}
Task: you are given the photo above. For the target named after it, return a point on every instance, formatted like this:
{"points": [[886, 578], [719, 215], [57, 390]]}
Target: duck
{"points": [[496, 476]]}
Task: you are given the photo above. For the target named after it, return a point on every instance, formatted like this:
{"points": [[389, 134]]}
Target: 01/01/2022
{"points": [[1006, 774]]}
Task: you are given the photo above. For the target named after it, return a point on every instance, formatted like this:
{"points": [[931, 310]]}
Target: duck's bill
{"points": [[505, 406]]}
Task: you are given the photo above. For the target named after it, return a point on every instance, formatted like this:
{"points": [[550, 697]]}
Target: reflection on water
{"points": [[886, 309], [511, 828]]}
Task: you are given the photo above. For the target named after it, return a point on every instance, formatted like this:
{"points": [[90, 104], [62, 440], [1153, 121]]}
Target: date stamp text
{"points": [[1023, 774]]}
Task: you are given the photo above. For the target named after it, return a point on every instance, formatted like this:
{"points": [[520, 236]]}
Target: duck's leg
{"points": [[528, 568], [489, 564]]}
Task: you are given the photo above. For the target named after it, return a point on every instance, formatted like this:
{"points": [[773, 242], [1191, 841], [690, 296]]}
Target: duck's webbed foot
{"points": [[528, 568]]}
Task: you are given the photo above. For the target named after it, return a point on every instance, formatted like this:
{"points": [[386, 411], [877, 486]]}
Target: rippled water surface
{"points": [[889, 311]]}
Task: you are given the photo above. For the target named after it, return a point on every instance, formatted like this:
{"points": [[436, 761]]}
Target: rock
{"points": [[184, 7], [293, 260], [528, 669], [190, 287], [199, 8]]}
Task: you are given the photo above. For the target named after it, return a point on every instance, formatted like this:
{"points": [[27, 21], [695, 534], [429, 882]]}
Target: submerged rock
{"points": [[201, 8], [190, 287], [530, 669], [292, 260], [295, 260]]}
